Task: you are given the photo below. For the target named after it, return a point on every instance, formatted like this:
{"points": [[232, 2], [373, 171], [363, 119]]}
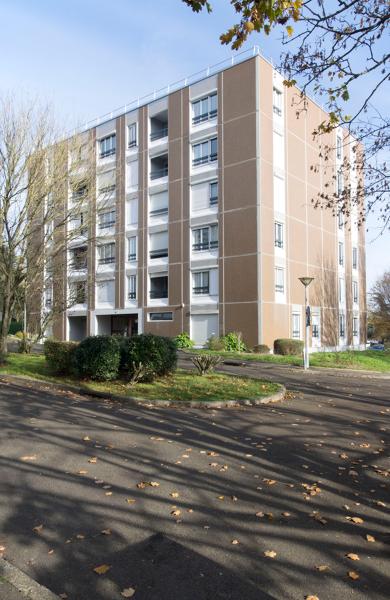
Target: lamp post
{"points": [[306, 281]]}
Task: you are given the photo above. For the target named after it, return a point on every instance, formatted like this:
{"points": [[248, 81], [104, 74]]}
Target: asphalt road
{"points": [[69, 500]]}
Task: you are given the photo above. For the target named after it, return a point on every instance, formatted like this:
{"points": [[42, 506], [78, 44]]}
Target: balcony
{"points": [[107, 260], [204, 160], [201, 246], [106, 153], [159, 126], [159, 167], [201, 290]]}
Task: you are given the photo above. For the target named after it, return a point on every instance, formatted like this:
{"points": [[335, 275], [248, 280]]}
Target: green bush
{"points": [[97, 357], [215, 343], [288, 347], [14, 327], [261, 349], [58, 356], [19, 335], [183, 340], [157, 354], [233, 342]]}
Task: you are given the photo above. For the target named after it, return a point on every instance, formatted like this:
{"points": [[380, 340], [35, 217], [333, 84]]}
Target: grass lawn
{"points": [[369, 360], [180, 386]]}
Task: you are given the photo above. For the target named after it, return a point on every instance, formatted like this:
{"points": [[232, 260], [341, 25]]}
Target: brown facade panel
{"points": [[239, 90], [240, 232], [276, 323], [241, 279], [242, 318], [240, 139]]}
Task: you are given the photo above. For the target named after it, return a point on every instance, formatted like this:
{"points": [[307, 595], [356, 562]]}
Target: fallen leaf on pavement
{"points": [[33, 457], [353, 575], [175, 513], [235, 542], [312, 598], [130, 500], [270, 553], [322, 568], [106, 531], [128, 592], [38, 528], [86, 438], [174, 494], [352, 556], [355, 519], [102, 569], [370, 538], [80, 536], [92, 460]]}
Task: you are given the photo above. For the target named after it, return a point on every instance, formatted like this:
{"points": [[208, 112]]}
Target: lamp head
{"points": [[306, 281]]}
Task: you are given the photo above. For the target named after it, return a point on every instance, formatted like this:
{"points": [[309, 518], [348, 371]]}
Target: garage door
{"points": [[203, 327]]}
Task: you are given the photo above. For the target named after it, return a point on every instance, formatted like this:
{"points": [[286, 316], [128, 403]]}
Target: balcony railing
{"points": [[131, 257], [48, 302], [158, 212], [315, 332], [203, 289], [213, 200], [158, 173], [132, 144], [107, 260], [78, 264], [204, 117], [159, 134], [277, 110], [204, 246], [106, 153], [162, 253], [202, 160], [107, 189], [131, 295], [158, 294], [106, 224], [279, 243]]}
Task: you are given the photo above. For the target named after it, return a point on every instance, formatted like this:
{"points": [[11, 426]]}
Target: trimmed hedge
{"points": [[97, 357], [261, 349], [288, 347], [156, 353], [58, 356]]}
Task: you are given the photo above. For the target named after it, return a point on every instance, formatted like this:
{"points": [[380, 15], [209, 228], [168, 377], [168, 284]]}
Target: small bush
{"points": [[288, 347], [14, 327], [97, 357], [25, 344], [205, 363], [183, 340], [261, 349], [157, 354], [19, 335], [233, 342], [58, 356], [215, 343]]}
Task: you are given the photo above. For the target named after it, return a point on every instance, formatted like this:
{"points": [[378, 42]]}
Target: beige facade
{"points": [[203, 221]]}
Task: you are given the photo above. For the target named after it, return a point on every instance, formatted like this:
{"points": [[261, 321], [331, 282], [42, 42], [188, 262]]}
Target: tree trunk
{"points": [[6, 317]]}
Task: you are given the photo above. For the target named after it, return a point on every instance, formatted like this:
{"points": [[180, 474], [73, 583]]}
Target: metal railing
{"points": [[106, 260], [106, 153], [162, 253], [131, 257], [158, 294], [202, 160], [158, 173], [203, 289], [279, 243], [204, 117], [132, 295], [205, 246], [158, 212], [159, 134]]}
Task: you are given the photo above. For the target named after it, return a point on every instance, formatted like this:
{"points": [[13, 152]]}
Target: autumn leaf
{"points": [[130, 500], [356, 520], [86, 438], [102, 569], [128, 592], [92, 460], [352, 556], [38, 528], [322, 568], [235, 542], [80, 536], [370, 538], [353, 575], [106, 531], [26, 458], [312, 598], [270, 553], [175, 513], [174, 494], [82, 472]]}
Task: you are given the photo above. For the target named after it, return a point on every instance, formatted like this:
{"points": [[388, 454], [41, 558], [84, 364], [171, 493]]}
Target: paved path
{"points": [[225, 466]]}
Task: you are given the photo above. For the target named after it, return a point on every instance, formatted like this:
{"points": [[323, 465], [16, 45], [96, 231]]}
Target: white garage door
{"points": [[203, 327]]}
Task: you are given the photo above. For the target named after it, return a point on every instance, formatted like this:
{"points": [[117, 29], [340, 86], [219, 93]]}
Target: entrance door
{"points": [[203, 327], [126, 325]]}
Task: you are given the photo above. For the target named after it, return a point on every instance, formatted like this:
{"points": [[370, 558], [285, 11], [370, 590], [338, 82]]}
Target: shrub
{"points": [[97, 357], [286, 346], [183, 340], [215, 343], [140, 372], [25, 344], [205, 363], [58, 356], [261, 349], [157, 354], [19, 335], [233, 342], [14, 327]]}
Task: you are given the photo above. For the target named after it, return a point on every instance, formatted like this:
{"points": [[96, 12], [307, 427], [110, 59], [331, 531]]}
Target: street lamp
{"points": [[306, 281]]}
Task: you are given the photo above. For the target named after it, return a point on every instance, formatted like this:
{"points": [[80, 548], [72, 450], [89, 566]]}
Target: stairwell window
{"points": [[132, 287], [213, 193], [341, 254], [355, 292], [296, 326], [132, 253], [107, 146], [278, 234], [340, 182], [205, 152], [355, 326], [132, 135], [204, 109], [277, 102], [341, 325], [338, 147], [354, 258], [279, 280], [201, 283]]}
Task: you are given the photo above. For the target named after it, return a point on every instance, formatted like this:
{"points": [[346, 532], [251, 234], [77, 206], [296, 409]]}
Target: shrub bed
{"points": [[58, 356], [288, 347], [97, 357], [261, 349], [157, 354], [183, 340]]}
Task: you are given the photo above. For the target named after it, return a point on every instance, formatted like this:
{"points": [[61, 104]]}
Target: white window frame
{"points": [[296, 333], [107, 218], [354, 257], [107, 146], [201, 283], [132, 251], [213, 199], [342, 329], [132, 135], [279, 274], [341, 254], [206, 110], [277, 101], [132, 287], [205, 154], [355, 291], [279, 234], [107, 253], [205, 238]]}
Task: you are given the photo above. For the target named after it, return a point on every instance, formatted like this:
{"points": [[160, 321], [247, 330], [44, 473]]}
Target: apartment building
{"points": [[203, 220]]}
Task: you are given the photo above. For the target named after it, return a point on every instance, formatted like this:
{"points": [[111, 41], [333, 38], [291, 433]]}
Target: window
{"points": [[48, 297], [132, 176], [341, 254], [355, 295], [158, 204], [106, 291], [107, 253], [279, 280], [354, 258], [278, 234], [340, 217], [338, 147], [160, 316], [341, 290], [213, 193], [205, 152], [296, 326], [78, 222], [205, 238], [132, 253], [132, 287], [277, 102], [107, 182], [341, 325], [340, 183], [158, 287], [132, 135], [107, 146], [79, 257], [201, 283], [355, 326], [77, 292], [107, 219], [79, 190], [158, 244], [204, 109], [132, 212], [315, 330]]}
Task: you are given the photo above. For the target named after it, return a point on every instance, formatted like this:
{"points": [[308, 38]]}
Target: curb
{"points": [[27, 587], [83, 391]]}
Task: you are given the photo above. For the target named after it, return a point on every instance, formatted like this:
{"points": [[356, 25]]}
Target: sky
{"points": [[88, 57]]}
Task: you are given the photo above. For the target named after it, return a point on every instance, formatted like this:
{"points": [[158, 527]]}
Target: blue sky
{"points": [[89, 57]]}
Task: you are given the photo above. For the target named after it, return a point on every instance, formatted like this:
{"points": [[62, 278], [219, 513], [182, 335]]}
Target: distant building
{"points": [[207, 221]]}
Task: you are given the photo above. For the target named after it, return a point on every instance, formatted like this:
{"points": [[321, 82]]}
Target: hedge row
{"points": [[104, 357]]}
